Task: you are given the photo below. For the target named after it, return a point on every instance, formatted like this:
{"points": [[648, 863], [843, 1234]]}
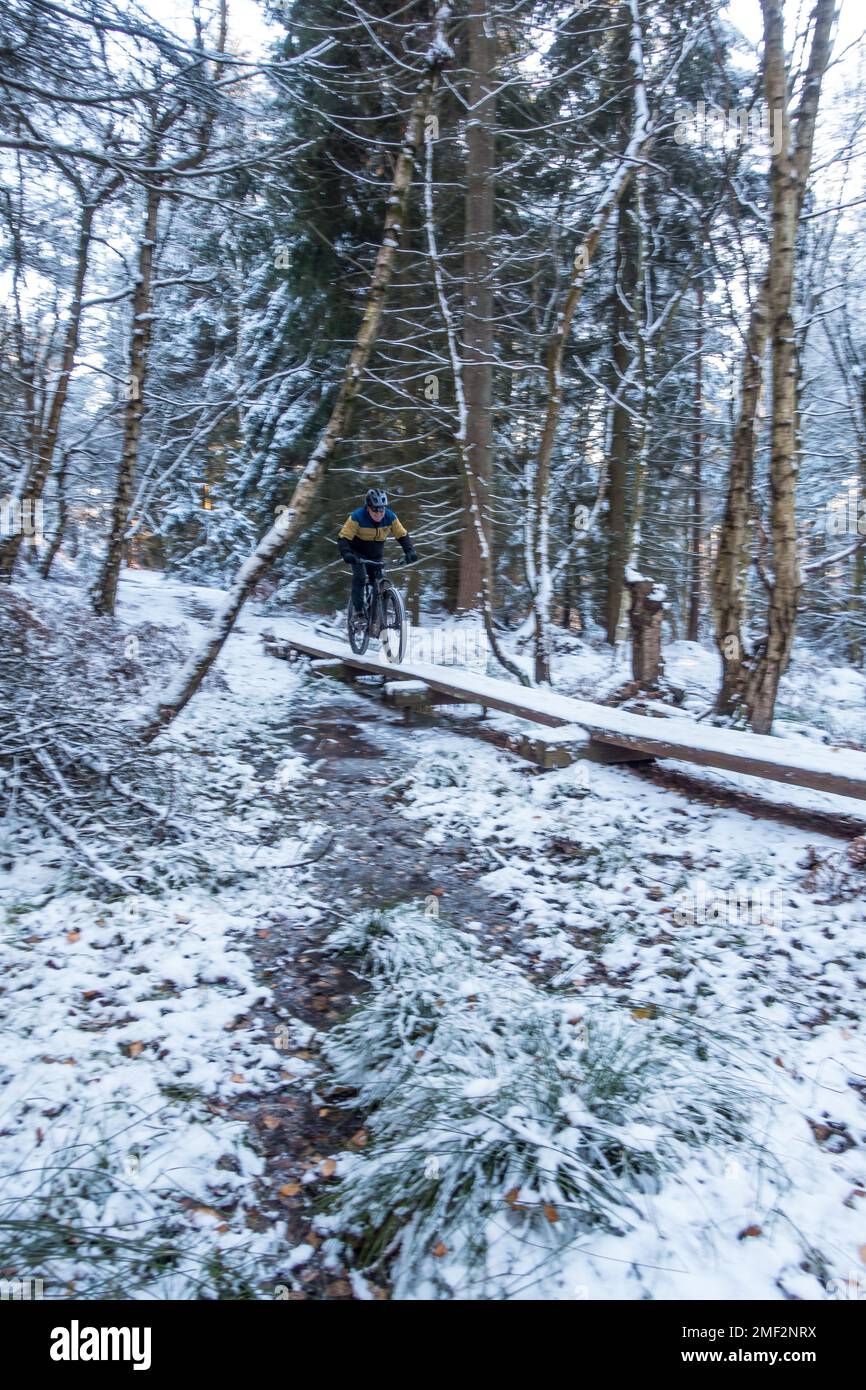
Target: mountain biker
{"points": [[362, 537]]}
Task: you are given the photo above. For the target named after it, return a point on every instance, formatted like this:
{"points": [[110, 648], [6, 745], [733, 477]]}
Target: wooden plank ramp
{"points": [[840, 771]]}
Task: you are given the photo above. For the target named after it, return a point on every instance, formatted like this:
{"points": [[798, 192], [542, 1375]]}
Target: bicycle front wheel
{"points": [[359, 630], [393, 632]]}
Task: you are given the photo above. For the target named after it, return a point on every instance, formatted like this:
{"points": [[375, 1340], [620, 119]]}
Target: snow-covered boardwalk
{"points": [[756, 755]]}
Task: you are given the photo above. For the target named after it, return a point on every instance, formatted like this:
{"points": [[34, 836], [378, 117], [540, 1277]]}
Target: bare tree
{"points": [[162, 117]]}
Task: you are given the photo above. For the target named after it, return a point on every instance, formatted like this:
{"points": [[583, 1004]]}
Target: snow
{"points": [[791, 755], [124, 1056], [122, 1046], [781, 1004]]}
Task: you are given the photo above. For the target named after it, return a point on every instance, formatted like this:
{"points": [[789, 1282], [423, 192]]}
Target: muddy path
{"points": [[355, 755]]}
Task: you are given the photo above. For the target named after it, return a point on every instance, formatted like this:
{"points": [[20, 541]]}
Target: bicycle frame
{"points": [[379, 593], [377, 612]]}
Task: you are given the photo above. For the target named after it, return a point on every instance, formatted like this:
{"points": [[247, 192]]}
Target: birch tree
{"points": [[730, 573], [290, 521]]}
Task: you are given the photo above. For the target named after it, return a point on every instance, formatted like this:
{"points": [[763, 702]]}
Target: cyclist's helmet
{"points": [[376, 499]]}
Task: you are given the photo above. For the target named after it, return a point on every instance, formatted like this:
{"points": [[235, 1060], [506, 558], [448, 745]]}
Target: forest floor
{"points": [[433, 1023]]}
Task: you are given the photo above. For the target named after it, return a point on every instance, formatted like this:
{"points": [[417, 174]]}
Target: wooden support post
{"points": [[645, 619], [337, 670], [567, 745], [407, 694]]}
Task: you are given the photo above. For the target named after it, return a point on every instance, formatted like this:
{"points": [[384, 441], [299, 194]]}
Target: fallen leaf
{"points": [[89, 994], [271, 1122], [290, 1189], [359, 1139], [73, 935], [134, 1049], [207, 1211], [341, 1288], [862, 1254], [328, 1168], [237, 1077], [749, 1231], [646, 1011], [550, 1212], [440, 1250]]}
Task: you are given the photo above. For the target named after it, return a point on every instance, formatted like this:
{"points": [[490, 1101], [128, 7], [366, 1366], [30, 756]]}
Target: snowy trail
{"points": [[623, 896], [219, 1026]]}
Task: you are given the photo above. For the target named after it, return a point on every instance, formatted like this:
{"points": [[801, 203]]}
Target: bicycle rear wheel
{"points": [[359, 629], [393, 634]]}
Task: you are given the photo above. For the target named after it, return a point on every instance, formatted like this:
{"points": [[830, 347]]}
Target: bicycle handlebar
{"points": [[380, 564]]}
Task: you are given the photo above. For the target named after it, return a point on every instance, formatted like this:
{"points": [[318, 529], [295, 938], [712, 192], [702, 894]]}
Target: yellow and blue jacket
{"points": [[361, 535]]}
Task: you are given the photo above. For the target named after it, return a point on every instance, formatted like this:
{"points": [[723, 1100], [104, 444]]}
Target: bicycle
{"points": [[384, 616]]}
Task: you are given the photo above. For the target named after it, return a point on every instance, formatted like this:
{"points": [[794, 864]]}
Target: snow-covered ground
{"points": [[761, 995], [638, 1071]]}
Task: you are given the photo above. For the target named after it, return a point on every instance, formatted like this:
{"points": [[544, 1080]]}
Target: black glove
{"points": [[351, 560], [410, 555]]}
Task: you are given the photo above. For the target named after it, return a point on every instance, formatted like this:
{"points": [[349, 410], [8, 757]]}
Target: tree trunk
{"points": [[730, 573], [104, 594], [639, 141], [62, 514], [763, 679], [33, 481], [476, 519], [478, 294], [694, 614], [645, 619], [620, 425]]}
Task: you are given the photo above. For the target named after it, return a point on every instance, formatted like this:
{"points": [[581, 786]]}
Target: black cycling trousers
{"points": [[358, 578]]}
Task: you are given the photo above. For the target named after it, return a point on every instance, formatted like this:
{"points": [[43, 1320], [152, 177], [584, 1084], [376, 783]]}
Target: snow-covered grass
{"points": [[509, 1123], [748, 1006]]}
